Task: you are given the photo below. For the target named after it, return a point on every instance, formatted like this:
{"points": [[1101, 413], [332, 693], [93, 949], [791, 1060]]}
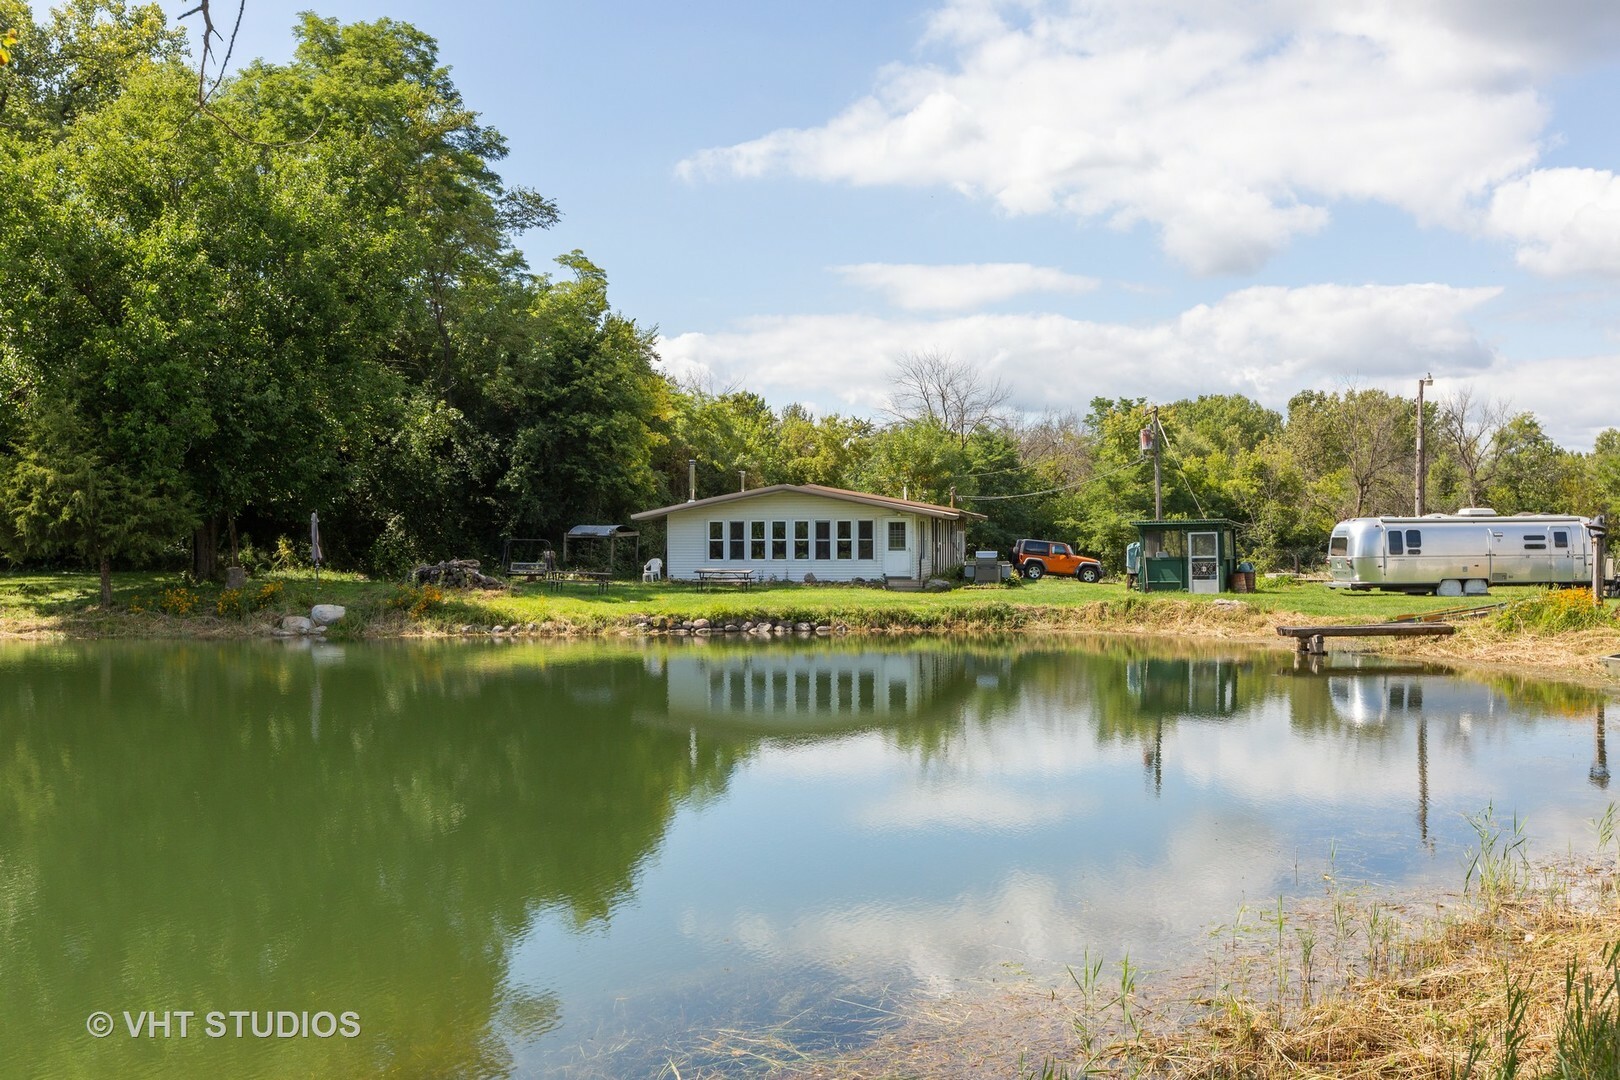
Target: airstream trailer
{"points": [[1460, 554]]}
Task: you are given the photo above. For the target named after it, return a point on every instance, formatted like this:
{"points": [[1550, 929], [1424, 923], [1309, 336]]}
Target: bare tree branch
{"points": [[930, 385], [209, 35], [1471, 429]]}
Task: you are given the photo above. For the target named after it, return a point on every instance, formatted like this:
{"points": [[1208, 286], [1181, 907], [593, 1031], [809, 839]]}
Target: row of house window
{"points": [[763, 541]]}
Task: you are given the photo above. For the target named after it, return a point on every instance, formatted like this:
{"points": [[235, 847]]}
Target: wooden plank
{"points": [[1373, 630]]}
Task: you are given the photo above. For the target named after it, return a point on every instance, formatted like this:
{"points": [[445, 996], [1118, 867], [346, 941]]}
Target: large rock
{"points": [[296, 624], [326, 614], [235, 577], [936, 585]]}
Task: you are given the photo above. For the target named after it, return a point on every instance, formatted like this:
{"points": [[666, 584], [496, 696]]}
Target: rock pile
{"points": [[455, 574], [762, 627], [320, 617]]}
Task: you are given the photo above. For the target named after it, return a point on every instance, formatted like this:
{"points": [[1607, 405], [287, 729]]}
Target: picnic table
{"points": [[724, 575], [558, 578]]}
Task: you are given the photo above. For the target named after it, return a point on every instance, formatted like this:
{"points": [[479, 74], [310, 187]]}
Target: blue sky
{"points": [[1123, 198]]}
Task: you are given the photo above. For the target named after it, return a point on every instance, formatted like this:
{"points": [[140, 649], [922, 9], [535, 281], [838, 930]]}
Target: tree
{"points": [[1469, 430], [1532, 474], [62, 496], [931, 386], [1604, 474], [1355, 449]]}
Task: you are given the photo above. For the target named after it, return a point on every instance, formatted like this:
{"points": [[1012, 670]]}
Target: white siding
{"points": [[688, 543]]}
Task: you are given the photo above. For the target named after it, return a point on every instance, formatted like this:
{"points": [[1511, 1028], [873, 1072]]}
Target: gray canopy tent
{"points": [[611, 533]]}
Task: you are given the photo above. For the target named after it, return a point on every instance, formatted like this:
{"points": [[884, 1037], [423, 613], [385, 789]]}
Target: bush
{"points": [[1554, 611], [416, 602], [238, 603], [178, 602]]}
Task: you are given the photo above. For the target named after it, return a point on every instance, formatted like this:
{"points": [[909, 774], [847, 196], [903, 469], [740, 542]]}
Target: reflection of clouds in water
{"points": [[1158, 912], [972, 805]]}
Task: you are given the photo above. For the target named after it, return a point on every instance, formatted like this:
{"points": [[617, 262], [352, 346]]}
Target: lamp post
{"points": [[1422, 470]]}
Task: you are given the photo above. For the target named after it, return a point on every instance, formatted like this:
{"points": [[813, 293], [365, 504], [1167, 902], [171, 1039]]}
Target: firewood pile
{"points": [[455, 574]]}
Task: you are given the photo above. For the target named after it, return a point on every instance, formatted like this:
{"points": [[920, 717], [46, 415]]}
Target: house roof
{"points": [[882, 502], [1186, 523]]}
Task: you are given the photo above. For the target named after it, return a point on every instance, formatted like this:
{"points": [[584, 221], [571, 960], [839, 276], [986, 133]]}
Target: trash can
{"points": [[1243, 578]]}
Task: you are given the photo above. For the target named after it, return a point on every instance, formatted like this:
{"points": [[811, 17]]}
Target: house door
{"points": [[1203, 562], [899, 548]]}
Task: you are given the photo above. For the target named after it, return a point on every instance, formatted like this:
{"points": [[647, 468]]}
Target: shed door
{"points": [[899, 542], [1203, 562]]}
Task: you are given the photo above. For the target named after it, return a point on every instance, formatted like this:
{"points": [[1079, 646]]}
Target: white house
{"points": [[786, 531]]}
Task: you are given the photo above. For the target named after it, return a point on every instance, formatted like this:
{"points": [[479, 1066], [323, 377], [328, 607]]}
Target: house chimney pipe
{"points": [[691, 479], [742, 479]]}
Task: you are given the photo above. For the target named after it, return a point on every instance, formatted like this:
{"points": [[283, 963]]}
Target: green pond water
{"points": [[542, 859]]}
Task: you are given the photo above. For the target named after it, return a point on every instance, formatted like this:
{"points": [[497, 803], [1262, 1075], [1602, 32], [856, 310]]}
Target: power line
{"points": [[1050, 491], [1186, 483]]}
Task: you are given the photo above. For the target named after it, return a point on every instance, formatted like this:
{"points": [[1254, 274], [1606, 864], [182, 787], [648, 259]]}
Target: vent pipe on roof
{"points": [[742, 479], [905, 492], [691, 479]]}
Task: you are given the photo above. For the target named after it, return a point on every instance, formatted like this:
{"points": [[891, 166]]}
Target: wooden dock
{"points": [[1312, 638]]}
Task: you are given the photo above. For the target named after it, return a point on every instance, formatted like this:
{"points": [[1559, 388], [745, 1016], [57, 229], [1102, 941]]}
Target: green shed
{"points": [[1192, 555]]}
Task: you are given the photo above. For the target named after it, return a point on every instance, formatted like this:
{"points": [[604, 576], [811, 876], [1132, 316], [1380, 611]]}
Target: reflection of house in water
{"points": [[816, 689], [1205, 687], [1182, 688]]}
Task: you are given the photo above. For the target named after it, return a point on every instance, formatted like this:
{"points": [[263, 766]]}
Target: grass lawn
{"points": [[162, 606]]}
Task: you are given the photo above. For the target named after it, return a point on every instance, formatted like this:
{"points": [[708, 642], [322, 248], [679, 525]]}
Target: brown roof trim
{"points": [[952, 513]]}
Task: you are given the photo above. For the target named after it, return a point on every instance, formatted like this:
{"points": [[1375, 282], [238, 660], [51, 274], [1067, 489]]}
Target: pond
{"points": [[539, 859]]}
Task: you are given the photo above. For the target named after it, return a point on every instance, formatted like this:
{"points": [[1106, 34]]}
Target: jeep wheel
{"points": [[1089, 574], [1034, 571]]}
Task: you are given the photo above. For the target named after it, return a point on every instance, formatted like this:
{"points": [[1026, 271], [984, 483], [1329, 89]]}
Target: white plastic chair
{"points": [[653, 571]]}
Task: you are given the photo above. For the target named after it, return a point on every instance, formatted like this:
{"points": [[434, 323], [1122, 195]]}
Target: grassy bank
{"points": [[150, 605]]}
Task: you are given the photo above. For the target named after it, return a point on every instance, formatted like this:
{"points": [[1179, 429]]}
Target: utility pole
{"points": [[1598, 527], [1422, 465], [1158, 489]]}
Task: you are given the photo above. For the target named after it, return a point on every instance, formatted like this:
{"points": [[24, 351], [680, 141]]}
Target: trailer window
{"points": [[1560, 538], [1338, 545], [1395, 545], [1535, 542], [1414, 541]]}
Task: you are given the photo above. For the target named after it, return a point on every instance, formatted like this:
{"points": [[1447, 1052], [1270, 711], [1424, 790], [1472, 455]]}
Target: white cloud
{"points": [[1265, 342], [1229, 126], [953, 288], [1566, 221]]}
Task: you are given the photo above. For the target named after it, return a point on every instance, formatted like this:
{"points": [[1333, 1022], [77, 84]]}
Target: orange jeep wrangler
{"points": [[1037, 558]]}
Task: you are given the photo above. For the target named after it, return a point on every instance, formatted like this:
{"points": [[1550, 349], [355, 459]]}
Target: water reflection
{"points": [[499, 855]]}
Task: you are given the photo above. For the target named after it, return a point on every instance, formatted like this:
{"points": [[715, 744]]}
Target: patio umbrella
{"points": [[315, 543]]}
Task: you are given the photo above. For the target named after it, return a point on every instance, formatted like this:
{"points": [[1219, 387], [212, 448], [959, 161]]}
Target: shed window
{"points": [[779, 540], [801, 539], [717, 540], [756, 540], [897, 536], [824, 540], [739, 548], [863, 539], [846, 546], [1560, 539]]}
